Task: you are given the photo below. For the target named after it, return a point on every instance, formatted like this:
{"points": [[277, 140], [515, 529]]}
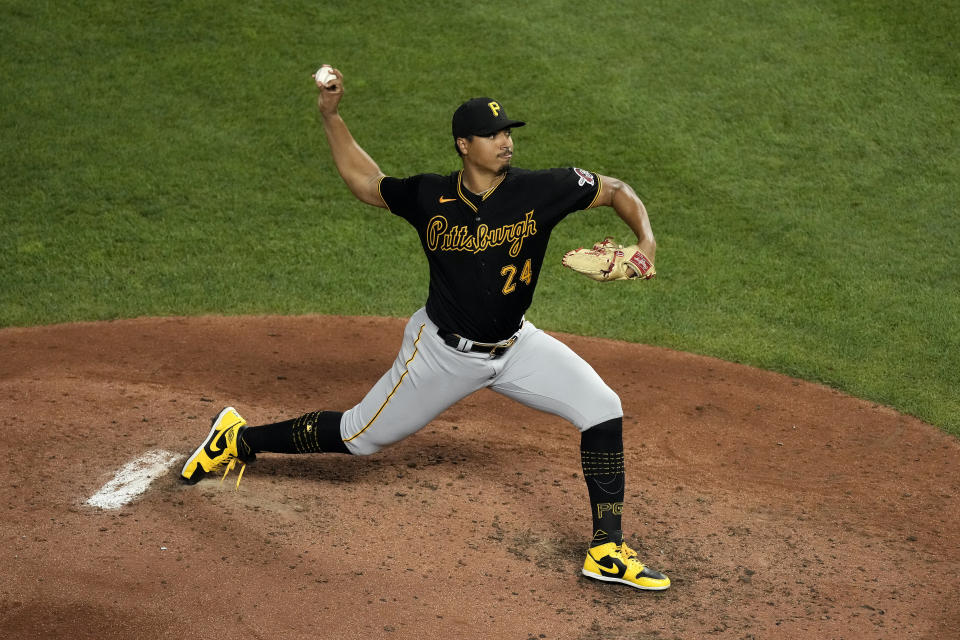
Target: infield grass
{"points": [[799, 161]]}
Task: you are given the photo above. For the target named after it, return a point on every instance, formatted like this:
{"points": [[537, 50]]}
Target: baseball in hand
{"points": [[324, 76]]}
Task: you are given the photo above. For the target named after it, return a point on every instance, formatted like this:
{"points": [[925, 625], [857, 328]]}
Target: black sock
{"points": [[316, 432], [601, 455]]}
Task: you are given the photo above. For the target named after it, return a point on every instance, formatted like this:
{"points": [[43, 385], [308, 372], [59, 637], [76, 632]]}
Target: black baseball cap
{"points": [[481, 117]]}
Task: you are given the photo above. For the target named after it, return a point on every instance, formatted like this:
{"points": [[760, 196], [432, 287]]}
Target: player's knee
{"points": [[612, 400], [604, 406]]}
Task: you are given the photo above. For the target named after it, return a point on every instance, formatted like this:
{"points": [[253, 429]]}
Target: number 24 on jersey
{"points": [[510, 271]]}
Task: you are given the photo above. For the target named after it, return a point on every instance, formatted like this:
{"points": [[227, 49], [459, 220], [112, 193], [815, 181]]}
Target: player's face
{"points": [[493, 152]]}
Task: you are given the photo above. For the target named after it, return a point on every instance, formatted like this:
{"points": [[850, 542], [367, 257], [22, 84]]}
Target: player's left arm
{"points": [[624, 200]]}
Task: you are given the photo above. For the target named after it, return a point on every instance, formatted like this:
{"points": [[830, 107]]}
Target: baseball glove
{"points": [[608, 261]]}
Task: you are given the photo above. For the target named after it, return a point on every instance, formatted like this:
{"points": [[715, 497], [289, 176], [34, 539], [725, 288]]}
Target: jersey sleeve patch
{"points": [[585, 177]]}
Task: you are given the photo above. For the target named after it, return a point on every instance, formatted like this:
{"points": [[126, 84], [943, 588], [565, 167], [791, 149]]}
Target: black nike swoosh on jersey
{"points": [[616, 568]]}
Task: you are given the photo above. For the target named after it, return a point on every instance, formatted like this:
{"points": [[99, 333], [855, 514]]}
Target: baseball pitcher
{"points": [[484, 229]]}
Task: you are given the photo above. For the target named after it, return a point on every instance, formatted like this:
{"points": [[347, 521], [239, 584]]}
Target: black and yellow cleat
{"points": [[219, 450], [612, 562]]}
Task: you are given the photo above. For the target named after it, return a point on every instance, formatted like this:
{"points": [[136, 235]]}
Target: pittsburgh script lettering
{"points": [[440, 235]]}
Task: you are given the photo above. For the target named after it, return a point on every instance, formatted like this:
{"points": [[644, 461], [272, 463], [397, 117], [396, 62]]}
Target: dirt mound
{"points": [[779, 508]]}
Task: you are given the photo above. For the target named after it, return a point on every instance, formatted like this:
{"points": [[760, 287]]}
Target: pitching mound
{"points": [[780, 509]]}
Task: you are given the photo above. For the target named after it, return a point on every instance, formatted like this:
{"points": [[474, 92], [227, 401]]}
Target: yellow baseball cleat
{"points": [[219, 450], [612, 562]]}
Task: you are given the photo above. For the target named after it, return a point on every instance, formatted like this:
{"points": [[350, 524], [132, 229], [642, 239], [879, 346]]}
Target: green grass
{"points": [[799, 161]]}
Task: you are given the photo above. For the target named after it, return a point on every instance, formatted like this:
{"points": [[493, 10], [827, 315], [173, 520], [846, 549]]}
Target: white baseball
{"points": [[324, 75]]}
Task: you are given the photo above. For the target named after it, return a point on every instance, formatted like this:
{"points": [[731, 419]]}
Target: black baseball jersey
{"points": [[485, 252]]}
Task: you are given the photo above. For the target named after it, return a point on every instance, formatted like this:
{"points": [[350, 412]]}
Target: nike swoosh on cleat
{"points": [[208, 448], [616, 569]]}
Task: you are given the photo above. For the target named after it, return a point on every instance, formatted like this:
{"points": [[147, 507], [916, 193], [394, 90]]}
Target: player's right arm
{"points": [[356, 167]]}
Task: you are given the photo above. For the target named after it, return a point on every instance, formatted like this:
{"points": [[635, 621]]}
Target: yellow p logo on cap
{"points": [[495, 108]]}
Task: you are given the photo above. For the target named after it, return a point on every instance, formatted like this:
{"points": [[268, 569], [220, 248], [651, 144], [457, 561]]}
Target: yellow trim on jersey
{"points": [[460, 191], [486, 194], [380, 193], [394, 390], [599, 189], [493, 188]]}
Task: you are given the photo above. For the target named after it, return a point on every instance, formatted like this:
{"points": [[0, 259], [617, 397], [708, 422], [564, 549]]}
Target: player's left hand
{"points": [[608, 261]]}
